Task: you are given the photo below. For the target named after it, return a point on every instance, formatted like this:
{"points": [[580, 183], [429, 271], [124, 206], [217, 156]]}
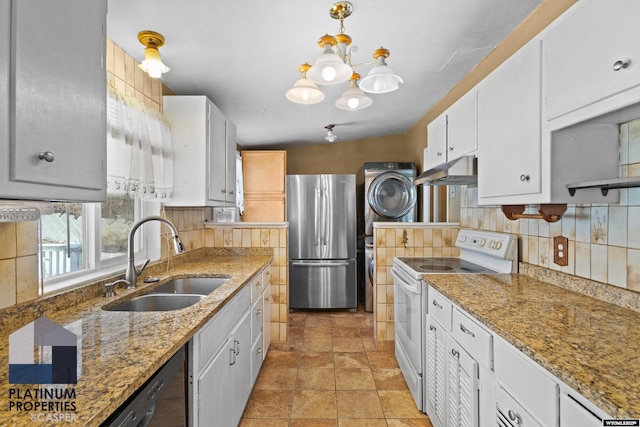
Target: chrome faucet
{"points": [[132, 273]]}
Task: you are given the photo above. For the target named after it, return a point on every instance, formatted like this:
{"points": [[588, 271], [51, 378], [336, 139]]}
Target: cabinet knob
{"points": [[514, 416], [231, 192], [47, 156], [524, 178], [439, 154], [451, 148], [224, 191], [619, 65]]}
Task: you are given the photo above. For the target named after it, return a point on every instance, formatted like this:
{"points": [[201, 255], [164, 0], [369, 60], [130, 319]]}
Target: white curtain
{"points": [[139, 151]]}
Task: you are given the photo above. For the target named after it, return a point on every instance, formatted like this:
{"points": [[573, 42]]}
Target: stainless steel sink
{"points": [[191, 285], [157, 302], [173, 295]]}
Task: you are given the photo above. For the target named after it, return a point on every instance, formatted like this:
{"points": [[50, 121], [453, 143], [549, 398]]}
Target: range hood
{"points": [[462, 171]]}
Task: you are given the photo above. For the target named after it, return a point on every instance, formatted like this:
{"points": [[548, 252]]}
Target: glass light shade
{"points": [[381, 79], [329, 69], [152, 63], [353, 99], [304, 92], [330, 136]]}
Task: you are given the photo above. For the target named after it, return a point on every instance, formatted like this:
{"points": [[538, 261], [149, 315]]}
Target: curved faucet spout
{"points": [[132, 273]]}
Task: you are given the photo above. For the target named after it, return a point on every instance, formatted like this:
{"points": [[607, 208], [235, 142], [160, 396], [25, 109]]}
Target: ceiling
{"points": [[244, 56]]}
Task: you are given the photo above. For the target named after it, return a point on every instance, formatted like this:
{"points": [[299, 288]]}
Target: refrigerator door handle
{"points": [[320, 264], [318, 224]]}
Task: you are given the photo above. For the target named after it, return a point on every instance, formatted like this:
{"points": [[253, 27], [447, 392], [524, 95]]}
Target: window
{"points": [[80, 238]]}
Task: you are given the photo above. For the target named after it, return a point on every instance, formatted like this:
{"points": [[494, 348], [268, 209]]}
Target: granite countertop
{"points": [[121, 350], [592, 346]]}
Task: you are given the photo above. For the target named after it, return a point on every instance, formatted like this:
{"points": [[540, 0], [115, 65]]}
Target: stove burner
{"points": [[436, 267]]}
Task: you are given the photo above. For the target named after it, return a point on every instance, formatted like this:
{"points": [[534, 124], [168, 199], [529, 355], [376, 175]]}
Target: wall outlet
{"points": [[561, 250]]}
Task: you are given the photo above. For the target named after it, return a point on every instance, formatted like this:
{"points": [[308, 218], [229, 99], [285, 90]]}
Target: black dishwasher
{"points": [[139, 409]]}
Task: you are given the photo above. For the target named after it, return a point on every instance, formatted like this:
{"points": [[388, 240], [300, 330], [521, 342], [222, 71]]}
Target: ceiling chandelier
{"points": [[334, 66]]}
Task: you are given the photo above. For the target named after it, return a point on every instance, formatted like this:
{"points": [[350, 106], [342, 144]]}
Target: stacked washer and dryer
{"points": [[389, 196]]}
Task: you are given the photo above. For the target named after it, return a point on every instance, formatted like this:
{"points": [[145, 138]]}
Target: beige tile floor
{"points": [[330, 374]]}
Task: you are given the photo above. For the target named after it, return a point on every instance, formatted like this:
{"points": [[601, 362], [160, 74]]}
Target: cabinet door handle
{"points": [[451, 148], [514, 416], [432, 328], [47, 156], [258, 311], [524, 177], [439, 154], [224, 191], [232, 357], [455, 352], [236, 347], [466, 331], [437, 304], [231, 192], [619, 65]]}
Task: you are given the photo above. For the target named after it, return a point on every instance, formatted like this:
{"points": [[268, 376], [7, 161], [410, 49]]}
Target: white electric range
{"points": [[481, 252]]}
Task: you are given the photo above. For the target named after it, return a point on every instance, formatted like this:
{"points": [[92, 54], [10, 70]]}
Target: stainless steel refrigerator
{"points": [[321, 211]]}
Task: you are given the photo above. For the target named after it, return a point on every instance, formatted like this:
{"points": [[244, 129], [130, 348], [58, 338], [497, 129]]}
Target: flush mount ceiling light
{"points": [[152, 63], [334, 66], [331, 137]]}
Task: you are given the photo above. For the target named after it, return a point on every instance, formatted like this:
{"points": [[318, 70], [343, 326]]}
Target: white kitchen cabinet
{"points": [[576, 414], [53, 100], [583, 56], [528, 384], [509, 131], [204, 147], [225, 384], [220, 377], [453, 133], [436, 372], [436, 152], [462, 385], [266, 325]]}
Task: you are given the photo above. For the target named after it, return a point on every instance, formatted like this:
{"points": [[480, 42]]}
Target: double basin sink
{"points": [[173, 295]]}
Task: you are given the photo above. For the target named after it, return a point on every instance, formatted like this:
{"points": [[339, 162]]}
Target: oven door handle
{"points": [[408, 287]]}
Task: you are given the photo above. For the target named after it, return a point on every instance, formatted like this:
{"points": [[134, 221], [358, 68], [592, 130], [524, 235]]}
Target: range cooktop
{"points": [[435, 265]]}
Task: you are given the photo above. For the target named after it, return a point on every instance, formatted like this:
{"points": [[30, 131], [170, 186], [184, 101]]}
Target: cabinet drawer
{"points": [[256, 288], [477, 340], [257, 318], [526, 382], [440, 308], [510, 413], [215, 333]]}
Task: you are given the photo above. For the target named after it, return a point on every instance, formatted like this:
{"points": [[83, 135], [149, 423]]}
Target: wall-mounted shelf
{"points": [[605, 185]]}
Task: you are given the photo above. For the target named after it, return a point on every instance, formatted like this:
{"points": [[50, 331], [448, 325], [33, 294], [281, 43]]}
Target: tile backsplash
{"points": [[19, 266]]}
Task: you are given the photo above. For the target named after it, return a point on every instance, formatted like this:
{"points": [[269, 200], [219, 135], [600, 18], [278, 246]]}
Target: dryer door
{"points": [[391, 195]]}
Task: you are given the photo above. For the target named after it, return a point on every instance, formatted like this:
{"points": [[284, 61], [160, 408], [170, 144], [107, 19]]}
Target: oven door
{"points": [[407, 308]]}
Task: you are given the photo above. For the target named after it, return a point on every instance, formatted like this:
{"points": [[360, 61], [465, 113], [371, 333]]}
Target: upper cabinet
{"points": [[548, 116], [204, 152], [264, 173], [592, 55], [454, 133], [509, 127], [53, 100]]}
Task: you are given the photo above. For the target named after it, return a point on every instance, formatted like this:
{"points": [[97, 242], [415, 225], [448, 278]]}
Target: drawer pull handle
{"points": [[524, 177], [619, 65], [466, 331], [515, 417], [432, 328], [455, 352], [258, 311], [436, 304]]}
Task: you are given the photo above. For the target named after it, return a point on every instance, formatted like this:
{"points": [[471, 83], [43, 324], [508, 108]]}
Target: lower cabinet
{"points": [[473, 377], [451, 383], [225, 357]]}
